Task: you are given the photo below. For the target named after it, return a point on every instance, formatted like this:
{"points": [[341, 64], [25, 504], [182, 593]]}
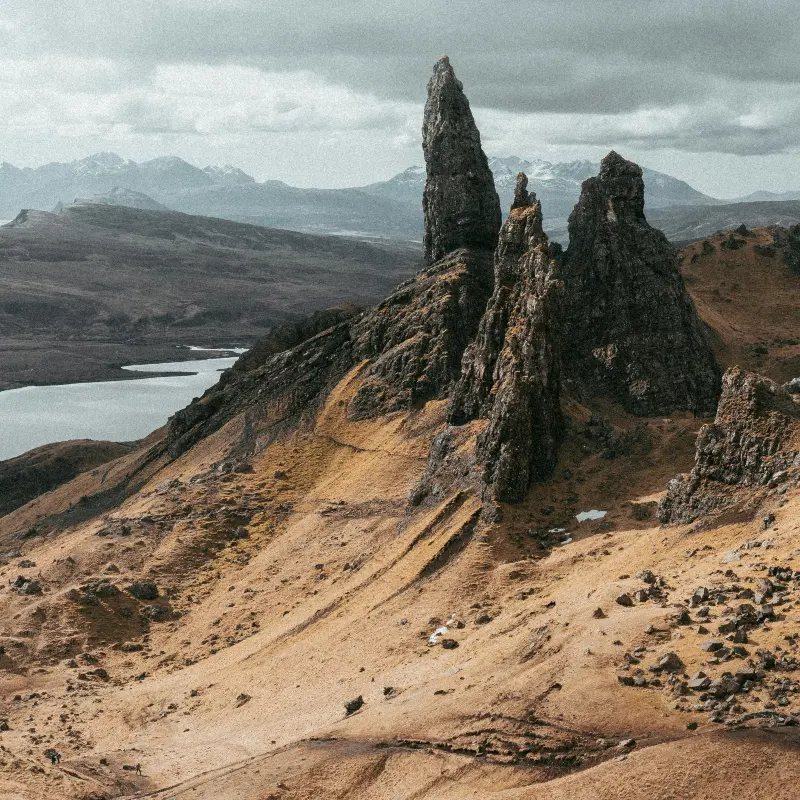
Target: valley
{"points": [[98, 286]]}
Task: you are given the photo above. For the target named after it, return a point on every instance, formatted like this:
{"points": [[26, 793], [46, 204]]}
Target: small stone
{"points": [[351, 706], [625, 600], [671, 662], [712, 645], [482, 618], [599, 613], [449, 644]]}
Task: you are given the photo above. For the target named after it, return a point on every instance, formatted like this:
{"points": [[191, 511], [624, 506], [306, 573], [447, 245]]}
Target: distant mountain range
{"points": [[388, 209]]}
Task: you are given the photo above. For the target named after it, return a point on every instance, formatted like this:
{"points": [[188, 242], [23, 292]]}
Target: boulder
{"points": [[143, 590], [752, 445]]}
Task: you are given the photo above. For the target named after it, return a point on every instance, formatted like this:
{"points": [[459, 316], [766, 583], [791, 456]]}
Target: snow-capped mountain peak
{"points": [[227, 173]]}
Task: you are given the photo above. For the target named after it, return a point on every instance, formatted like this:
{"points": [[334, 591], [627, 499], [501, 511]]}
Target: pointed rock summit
{"points": [[414, 340], [632, 333], [510, 374], [460, 203]]}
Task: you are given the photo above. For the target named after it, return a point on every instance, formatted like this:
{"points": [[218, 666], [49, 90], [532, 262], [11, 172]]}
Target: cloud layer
{"points": [[689, 76]]}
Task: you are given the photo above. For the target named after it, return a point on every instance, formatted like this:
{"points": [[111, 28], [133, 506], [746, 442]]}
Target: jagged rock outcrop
{"points": [[460, 204], [279, 385], [631, 330], [510, 374], [753, 444], [416, 337], [787, 240]]}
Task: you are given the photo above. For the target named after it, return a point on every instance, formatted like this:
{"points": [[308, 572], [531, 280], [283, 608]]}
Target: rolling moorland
{"points": [[361, 565], [94, 287]]}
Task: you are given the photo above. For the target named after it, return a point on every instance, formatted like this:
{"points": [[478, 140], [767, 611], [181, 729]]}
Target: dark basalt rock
{"points": [[460, 203], [416, 337], [510, 373], [752, 444], [519, 446], [632, 333]]}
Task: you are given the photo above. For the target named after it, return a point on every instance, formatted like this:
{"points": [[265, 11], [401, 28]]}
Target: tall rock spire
{"points": [[632, 333], [460, 202], [510, 373]]}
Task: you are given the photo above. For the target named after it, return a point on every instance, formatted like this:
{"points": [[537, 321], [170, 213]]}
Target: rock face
{"points": [[754, 443], [787, 240], [416, 337], [280, 385], [510, 374], [460, 203], [632, 333]]}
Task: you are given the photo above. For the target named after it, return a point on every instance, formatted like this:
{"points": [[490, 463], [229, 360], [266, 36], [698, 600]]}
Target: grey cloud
{"points": [[387, 47], [534, 56]]}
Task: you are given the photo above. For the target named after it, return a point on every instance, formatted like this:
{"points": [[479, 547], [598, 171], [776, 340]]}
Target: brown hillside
{"points": [[751, 301], [286, 591]]}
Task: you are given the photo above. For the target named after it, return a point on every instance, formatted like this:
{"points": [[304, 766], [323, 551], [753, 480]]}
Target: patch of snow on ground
{"points": [[593, 514]]}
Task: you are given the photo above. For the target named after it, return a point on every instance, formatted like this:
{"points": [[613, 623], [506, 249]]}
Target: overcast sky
{"points": [[331, 92]]}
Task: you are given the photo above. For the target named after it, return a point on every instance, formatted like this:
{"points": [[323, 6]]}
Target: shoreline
{"points": [[25, 363]]}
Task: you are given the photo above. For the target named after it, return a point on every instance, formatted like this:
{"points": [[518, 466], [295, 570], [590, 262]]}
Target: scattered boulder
{"points": [[625, 600], [143, 590], [670, 662], [351, 706]]}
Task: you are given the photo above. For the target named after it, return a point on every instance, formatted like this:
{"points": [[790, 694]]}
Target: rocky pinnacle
{"points": [[632, 333], [510, 374], [460, 203]]}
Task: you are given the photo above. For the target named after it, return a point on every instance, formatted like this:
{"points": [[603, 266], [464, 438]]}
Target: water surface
{"points": [[118, 411]]}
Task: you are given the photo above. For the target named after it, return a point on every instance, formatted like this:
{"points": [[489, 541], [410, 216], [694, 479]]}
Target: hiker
{"points": [[138, 769], [54, 758], [58, 758]]}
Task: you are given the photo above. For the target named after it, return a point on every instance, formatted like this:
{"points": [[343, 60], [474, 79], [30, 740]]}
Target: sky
{"points": [[331, 92]]}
